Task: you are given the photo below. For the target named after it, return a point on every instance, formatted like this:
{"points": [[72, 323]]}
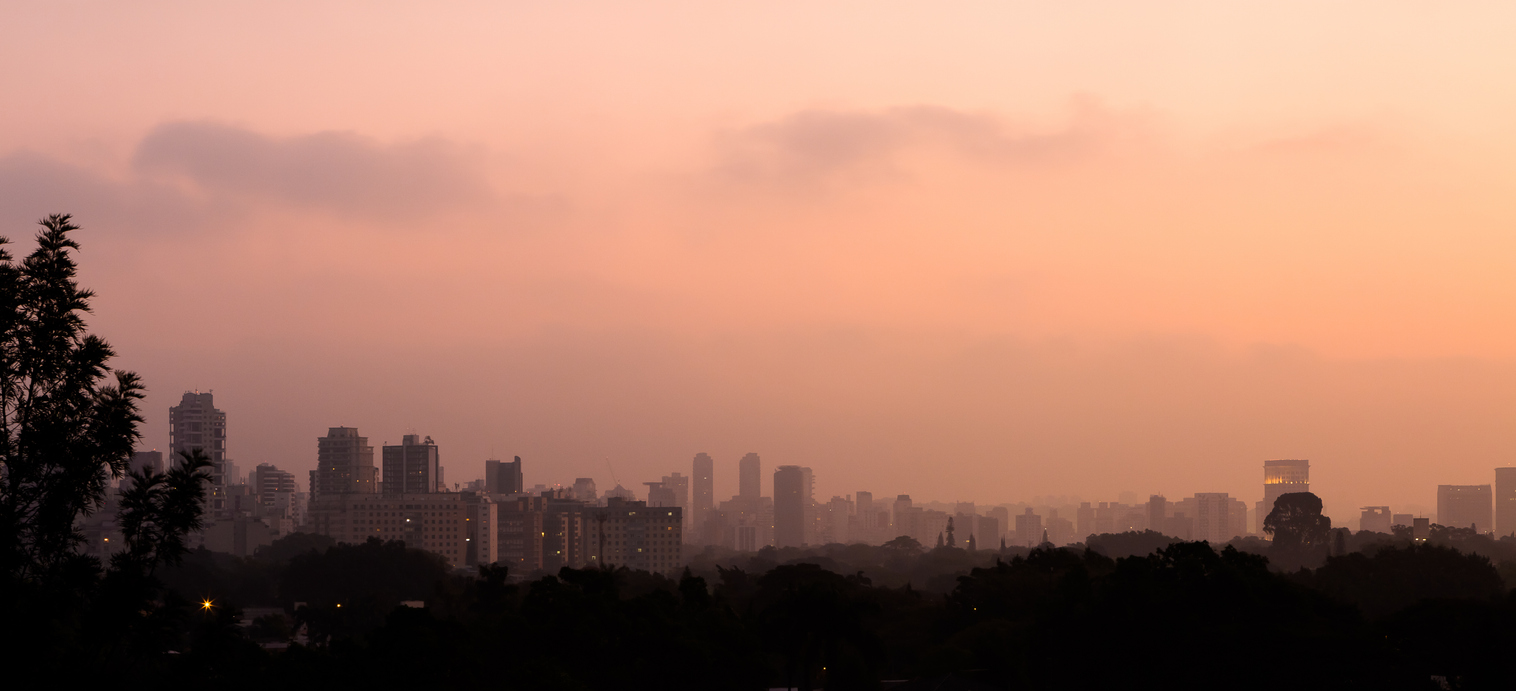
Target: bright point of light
{"points": [[207, 604]]}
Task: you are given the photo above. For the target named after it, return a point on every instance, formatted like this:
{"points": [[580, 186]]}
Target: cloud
{"points": [[335, 171], [818, 146], [36, 185]]}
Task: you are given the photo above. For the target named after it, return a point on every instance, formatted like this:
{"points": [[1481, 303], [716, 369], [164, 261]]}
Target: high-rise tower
{"points": [[791, 497], [344, 464], [503, 477], [1505, 501], [704, 499], [196, 424], [1279, 478], [411, 467], [748, 478], [1464, 506]]}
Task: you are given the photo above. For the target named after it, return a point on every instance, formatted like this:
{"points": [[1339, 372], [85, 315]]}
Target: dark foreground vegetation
{"points": [[1187, 616], [1312, 609]]}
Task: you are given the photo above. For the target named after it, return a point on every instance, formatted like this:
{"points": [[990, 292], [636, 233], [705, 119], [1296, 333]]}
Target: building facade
{"points": [[1465, 506], [344, 464], [702, 498], [503, 477], [749, 478], [791, 499], [1281, 477], [196, 423], [433, 521], [1505, 502], [412, 467]]}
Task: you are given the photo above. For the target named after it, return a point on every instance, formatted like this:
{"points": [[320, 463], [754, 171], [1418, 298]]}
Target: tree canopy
{"points": [[68, 425]]}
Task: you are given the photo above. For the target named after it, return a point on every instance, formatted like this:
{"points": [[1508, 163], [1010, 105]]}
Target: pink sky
{"points": [[980, 251]]}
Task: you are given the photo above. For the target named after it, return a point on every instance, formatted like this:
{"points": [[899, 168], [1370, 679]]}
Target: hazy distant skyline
{"points": [[983, 252]]}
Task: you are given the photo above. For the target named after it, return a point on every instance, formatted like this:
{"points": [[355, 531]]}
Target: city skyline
{"points": [[990, 253], [1280, 476]]}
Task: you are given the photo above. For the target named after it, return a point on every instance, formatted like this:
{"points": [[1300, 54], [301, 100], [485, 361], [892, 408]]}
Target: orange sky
{"points": [[982, 251]]}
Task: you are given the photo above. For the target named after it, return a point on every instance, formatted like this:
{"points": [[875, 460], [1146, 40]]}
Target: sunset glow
{"points": [[986, 252]]}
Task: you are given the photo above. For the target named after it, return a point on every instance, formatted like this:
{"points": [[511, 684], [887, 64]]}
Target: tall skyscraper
{"points": [[344, 464], [503, 477], [1281, 477], [1212, 514], [790, 501], [1505, 502], [1464, 506], [196, 424], [411, 467], [1158, 512], [704, 499], [748, 478]]}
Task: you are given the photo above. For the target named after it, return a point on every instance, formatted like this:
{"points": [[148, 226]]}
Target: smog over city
{"points": [[734, 345]]}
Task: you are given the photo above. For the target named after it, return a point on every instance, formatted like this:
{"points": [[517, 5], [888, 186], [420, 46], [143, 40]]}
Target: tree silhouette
{"points": [[68, 424], [1296, 521], [65, 430], [1302, 536], [904, 543], [160, 511]]}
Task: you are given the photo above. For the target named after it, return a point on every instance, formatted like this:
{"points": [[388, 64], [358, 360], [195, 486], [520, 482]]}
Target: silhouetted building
{"points": [[1105, 517], [1421, 529], [411, 467], [481, 522], [703, 499], [268, 479], [1060, 531], [503, 477], [635, 535], [196, 424], [1505, 502], [584, 490], [1028, 529], [865, 525], [835, 521], [988, 535], [344, 464], [432, 521], [1158, 512], [660, 495], [748, 478], [1279, 478], [1084, 520], [1212, 517], [1375, 519], [791, 496], [746, 538], [1463, 506]]}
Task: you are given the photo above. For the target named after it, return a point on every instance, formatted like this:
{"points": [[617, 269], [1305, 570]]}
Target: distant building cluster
{"points": [[499, 519], [242, 513]]}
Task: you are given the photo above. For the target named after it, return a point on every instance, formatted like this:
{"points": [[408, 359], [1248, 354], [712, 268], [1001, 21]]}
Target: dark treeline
{"points": [[1396, 615]]}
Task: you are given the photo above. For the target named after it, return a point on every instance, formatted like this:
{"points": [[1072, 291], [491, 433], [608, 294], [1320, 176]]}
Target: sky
{"points": [[966, 251]]}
